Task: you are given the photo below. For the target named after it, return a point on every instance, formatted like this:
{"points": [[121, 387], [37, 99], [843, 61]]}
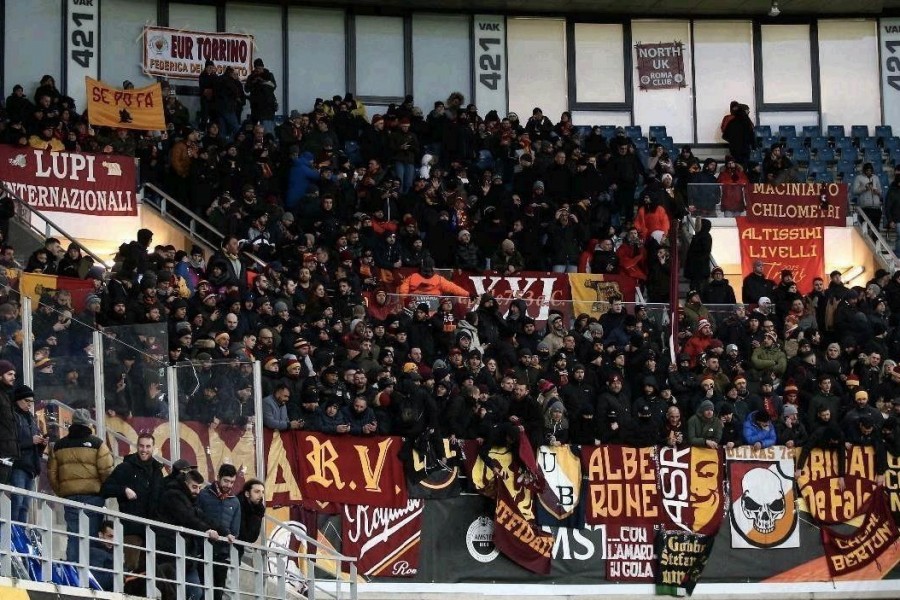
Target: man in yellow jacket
{"points": [[79, 464]]}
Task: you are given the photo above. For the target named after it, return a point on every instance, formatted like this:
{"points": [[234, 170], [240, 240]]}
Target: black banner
{"points": [[681, 558]]}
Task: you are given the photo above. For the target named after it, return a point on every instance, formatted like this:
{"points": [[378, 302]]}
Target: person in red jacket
{"points": [[699, 342], [651, 216], [734, 184]]}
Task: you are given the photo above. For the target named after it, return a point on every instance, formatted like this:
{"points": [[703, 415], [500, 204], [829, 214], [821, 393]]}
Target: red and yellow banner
{"points": [[34, 285], [518, 538], [692, 488], [622, 485], [593, 293], [138, 108], [807, 203], [71, 182], [829, 497], [350, 470], [783, 245]]}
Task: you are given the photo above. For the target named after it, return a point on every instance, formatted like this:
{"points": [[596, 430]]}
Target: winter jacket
{"points": [[699, 430], [302, 173], [651, 218], [223, 511], [145, 479], [177, 507], [436, 285], [79, 463], [753, 433], [696, 262], [251, 519], [9, 431], [773, 359], [261, 88], [30, 455]]}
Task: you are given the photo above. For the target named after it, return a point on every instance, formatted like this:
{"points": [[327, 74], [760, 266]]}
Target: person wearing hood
{"points": [[556, 333], [704, 429], [734, 183], [696, 261], [507, 260], [644, 431], [556, 424], [302, 174], [491, 326], [331, 420]]}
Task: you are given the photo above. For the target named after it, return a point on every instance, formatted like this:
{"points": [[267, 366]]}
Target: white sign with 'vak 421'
{"points": [[490, 63], [890, 71]]}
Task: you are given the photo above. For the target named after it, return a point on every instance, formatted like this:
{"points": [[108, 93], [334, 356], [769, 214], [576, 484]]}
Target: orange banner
{"points": [[798, 248], [140, 108]]}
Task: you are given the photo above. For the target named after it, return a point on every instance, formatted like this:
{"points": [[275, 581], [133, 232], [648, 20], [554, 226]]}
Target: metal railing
{"points": [[50, 228], [882, 250], [253, 571], [196, 226]]}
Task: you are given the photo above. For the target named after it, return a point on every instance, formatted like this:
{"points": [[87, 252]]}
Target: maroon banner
{"points": [[823, 204], [384, 541], [622, 487], [540, 291], [629, 553], [350, 470], [851, 552], [692, 488], [282, 485], [830, 498], [71, 182], [660, 66], [519, 538]]}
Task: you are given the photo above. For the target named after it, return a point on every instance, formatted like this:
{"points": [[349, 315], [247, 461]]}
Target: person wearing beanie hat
{"points": [[77, 467], [704, 429], [861, 409], [789, 429], [768, 356], [32, 444]]}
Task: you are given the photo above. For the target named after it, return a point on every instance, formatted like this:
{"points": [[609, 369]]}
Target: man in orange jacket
{"points": [[428, 283]]}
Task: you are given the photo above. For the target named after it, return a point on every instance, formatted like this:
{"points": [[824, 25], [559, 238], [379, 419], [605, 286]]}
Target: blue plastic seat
{"points": [[826, 154], [882, 132], [894, 157], [849, 153], [859, 131], [816, 168], [763, 131], [657, 132], [811, 131], [835, 131], [633, 131], [608, 131], [826, 177], [818, 143], [800, 155], [891, 143], [787, 131]]}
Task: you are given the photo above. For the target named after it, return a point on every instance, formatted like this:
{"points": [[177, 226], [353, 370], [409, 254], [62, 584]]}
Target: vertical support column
{"points": [[172, 396], [99, 388], [27, 342]]}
